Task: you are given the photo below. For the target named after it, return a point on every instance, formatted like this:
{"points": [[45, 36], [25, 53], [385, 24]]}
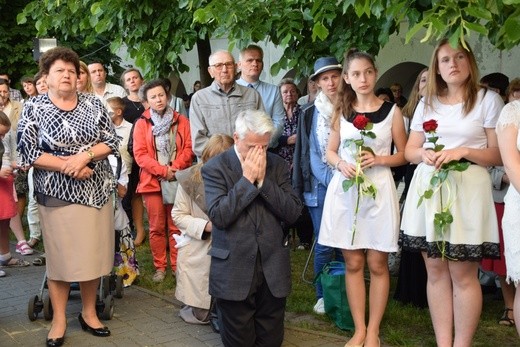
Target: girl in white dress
{"points": [[376, 223], [509, 144], [466, 116]]}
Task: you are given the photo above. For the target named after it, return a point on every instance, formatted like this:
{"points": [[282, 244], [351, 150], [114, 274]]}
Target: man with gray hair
{"points": [[251, 64], [213, 110], [248, 197]]}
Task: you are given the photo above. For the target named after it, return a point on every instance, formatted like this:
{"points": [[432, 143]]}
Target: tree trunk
{"points": [[204, 51]]}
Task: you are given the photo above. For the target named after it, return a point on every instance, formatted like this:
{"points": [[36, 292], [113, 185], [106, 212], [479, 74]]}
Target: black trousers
{"points": [[257, 321]]}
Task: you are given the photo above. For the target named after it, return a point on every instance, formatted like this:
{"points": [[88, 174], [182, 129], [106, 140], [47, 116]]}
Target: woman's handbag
{"points": [[332, 279], [169, 191]]}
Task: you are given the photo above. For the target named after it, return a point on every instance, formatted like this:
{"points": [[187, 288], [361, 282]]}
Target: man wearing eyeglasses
{"points": [[214, 109], [251, 64]]}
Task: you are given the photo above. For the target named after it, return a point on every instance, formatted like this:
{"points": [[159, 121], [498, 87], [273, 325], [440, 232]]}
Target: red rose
{"points": [[430, 126], [360, 122]]}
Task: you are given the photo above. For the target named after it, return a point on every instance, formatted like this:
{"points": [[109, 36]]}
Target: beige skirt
{"points": [[78, 240]]}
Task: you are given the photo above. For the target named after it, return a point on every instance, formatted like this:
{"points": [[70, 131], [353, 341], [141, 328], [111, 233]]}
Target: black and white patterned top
{"points": [[44, 127]]}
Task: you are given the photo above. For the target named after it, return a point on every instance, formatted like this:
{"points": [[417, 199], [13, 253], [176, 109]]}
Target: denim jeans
{"points": [[322, 254]]}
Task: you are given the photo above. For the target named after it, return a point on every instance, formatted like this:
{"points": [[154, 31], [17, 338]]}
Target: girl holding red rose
{"points": [[466, 116], [374, 230]]}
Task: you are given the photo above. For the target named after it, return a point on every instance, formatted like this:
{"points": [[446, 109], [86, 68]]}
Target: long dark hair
{"points": [[347, 95]]}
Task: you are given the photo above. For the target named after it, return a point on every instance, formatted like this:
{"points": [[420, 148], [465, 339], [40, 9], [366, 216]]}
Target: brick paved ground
{"points": [[141, 318]]}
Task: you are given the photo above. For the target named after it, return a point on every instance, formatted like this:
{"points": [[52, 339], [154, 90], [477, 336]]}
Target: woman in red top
{"points": [[162, 146]]}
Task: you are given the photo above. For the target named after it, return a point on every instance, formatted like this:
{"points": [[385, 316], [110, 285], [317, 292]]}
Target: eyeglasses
{"points": [[220, 66]]}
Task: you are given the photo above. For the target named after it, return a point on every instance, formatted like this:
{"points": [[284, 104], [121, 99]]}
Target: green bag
{"points": [[332, 279]]}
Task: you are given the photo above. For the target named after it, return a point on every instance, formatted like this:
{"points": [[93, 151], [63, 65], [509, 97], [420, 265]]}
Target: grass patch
{"points": [[402, 325]]}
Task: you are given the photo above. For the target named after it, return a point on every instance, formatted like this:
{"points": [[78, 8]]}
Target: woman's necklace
{"points": [[138, 106]]}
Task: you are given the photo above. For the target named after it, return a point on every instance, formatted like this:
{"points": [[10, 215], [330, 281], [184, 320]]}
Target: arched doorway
{"points": [[402, 73]]}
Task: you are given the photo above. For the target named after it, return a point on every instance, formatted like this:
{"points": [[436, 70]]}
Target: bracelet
{"points": [[337, 164]]}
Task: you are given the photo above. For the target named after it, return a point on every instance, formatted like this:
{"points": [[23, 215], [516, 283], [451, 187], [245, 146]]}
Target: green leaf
{"points": [[428, 194], [370, 134], [438, 148], [478, 12], [413, 31], [347, 184], [320, 31], [428, 33], [512, 28], [443, 174]]}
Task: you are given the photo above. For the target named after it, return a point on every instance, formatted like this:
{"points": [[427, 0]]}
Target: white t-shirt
{"points": [[456, 129]]}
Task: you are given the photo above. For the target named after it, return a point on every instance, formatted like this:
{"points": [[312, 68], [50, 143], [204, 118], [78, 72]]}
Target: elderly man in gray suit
{"points": [[248, 196]]}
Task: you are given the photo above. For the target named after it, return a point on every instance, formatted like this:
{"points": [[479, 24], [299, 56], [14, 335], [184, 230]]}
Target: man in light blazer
{"points": [[249, 196]]}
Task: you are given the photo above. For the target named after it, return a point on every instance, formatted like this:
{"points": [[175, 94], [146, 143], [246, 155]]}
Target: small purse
{"points": [[169, 191], [169, 188]]}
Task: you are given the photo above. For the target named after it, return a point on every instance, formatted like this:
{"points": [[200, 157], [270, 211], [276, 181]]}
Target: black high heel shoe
{"points": [[101, 332], [55, 342]]}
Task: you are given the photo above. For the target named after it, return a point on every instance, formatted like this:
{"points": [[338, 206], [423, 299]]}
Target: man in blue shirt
{"points": [[251, 64]]}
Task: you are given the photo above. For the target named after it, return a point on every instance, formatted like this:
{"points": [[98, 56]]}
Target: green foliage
{"points": [[305, 30], [498, 20], [156, 32], [16, 43]]}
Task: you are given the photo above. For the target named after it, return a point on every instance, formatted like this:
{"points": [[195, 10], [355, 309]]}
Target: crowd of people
{"points": [[229, 173]]}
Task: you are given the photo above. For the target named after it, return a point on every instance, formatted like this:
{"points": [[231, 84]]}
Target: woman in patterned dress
{"points": [[66, 136]]}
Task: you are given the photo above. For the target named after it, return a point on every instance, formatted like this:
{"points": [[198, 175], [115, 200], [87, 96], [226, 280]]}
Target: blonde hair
{"points": [[216, 144], [437, 86], [88, 88], [513, 86], [415, 96]]}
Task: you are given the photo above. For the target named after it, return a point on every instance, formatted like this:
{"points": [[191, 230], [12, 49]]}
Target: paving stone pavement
{"points": [[141, 318]]}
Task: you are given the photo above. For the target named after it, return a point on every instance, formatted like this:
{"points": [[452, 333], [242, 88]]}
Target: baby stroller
{"points": [[112, 285], [109, 287]]}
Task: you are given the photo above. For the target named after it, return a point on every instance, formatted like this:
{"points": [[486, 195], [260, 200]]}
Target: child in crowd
{"points": [[7, 196], [365, 226], [125, 263]]}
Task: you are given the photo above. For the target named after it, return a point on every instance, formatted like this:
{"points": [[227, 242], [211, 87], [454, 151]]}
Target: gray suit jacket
{"points": [[247, 222]]}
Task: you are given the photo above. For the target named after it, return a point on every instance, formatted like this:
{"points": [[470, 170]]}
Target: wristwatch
{"points": [[91, 155]]}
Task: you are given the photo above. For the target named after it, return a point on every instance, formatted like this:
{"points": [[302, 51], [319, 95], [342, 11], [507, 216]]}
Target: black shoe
{"points": [[55, 342], [101, 332]]}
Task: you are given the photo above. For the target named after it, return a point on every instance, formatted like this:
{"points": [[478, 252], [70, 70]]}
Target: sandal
{"points": [[14, 262], [505, 320], [39, 261]]}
